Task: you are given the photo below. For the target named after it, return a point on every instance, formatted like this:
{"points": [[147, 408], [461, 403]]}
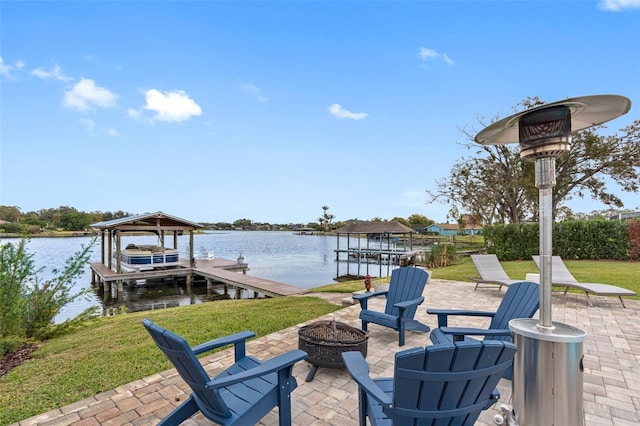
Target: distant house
{"points": [[445, 229], [625, 216]]}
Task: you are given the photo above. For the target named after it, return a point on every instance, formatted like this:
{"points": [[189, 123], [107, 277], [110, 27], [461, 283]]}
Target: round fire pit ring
{"points": [[325, 341]]}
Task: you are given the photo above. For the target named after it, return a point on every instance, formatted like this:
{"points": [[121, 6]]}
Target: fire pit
{"points": [[325, 341]]}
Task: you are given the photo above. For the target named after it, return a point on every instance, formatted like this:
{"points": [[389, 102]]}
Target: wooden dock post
{"points": [[106, 291]]}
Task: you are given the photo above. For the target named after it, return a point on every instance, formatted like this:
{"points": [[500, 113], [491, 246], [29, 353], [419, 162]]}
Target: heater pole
{"points": [[545, 181]]}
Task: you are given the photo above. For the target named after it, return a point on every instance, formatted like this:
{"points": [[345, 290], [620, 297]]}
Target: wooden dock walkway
{"points": [[108, 275], [247, 282], [217, 270]]}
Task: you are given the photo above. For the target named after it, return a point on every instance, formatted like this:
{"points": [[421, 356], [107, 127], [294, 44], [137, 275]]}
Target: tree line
{"points": [[65, 218]]}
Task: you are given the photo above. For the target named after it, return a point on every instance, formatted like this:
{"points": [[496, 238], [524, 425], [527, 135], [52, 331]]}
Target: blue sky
{"points": [[216, 111]]}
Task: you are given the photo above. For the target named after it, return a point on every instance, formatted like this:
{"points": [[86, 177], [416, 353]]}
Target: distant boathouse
{"points": [[388, 244]]}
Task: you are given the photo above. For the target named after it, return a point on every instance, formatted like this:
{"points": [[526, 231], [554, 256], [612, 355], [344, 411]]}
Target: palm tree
{"points": [[326, 218]]}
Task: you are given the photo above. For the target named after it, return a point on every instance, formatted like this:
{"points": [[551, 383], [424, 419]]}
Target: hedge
{"points": [[596, 239]]}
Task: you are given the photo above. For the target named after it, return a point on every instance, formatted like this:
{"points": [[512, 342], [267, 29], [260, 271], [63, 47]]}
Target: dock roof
{"points": [[157, 220], [379, 227]]}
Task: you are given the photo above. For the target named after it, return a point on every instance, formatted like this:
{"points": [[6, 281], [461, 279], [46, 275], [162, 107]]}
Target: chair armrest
{"points": [[359, 371], [370, 294], [238, 339], [364, 297], [409, 303], [443, 314], [467, 331], [276, 363]]}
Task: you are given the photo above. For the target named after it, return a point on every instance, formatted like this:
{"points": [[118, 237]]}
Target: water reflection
{"points": [[147, 295]]}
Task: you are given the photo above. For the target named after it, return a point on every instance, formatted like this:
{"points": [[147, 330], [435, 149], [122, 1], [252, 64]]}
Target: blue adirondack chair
{"points": [[403, 298], [521, 300], [450, 383], [242, 394]]}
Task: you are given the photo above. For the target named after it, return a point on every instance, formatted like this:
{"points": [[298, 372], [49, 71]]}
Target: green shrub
{"points": [[10, 344], [12, 228], [28, 304], [595, 239], [441, 255], [16, 266], [512, 242]]}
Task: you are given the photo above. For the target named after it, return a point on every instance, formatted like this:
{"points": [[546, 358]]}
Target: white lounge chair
{"points": [[490, 271], [561, 277]]}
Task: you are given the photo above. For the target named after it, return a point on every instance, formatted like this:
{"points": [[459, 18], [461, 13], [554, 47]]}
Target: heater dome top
{"points": [[586, 111]]}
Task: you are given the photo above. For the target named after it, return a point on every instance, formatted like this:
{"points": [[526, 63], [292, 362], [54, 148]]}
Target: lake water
{"points": [[304, 261]]}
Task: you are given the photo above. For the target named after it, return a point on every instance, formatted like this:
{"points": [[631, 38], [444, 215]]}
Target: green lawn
{"points": [[623, 274], [108, 352]]}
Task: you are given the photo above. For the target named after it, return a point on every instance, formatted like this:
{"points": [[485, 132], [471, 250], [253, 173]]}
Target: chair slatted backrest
{"points": [[489, 267], [521, 300], [452, 382], [186, 363], [405, 284]]}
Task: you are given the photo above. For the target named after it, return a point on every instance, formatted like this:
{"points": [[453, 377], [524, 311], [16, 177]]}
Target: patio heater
{"points": [[548, 373]]}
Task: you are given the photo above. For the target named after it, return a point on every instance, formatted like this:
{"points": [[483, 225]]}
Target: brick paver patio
{"points": [[611, 361]]}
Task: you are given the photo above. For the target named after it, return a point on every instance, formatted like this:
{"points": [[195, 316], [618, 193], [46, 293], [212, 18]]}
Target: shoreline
{"points": [[51, 234]]}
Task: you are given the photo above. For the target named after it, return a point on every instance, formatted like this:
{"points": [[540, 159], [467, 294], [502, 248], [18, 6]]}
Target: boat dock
{"points": [[246, 282], [158, 262], [375, 255], [212, 270], [368, 260]]}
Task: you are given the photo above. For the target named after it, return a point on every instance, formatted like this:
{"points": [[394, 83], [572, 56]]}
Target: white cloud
{"points": [[135, 114], [173, 106], [6, 69], [339, 112], [618, 5], [85, 95], [113, 132], [426, 53], [429, 54], [55, 74], [254, 91]]}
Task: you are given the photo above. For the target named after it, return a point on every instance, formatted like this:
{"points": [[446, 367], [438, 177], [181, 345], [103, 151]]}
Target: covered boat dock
{"points": [[160, 224], [386, 246], [111, 269]]}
